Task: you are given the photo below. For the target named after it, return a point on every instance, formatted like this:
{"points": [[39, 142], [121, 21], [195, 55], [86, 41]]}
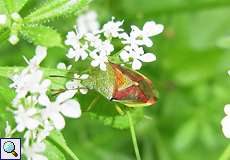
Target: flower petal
{"points": [[31, 123], [58, 120], [225, 121], [95, 63], [152, 29], [71, 53], [103, 66], [71, 108], [136, 65], [148, 42], [20, 127], [65, 96], [148, 57], [41, 52], [226, 131], [124, 56], [44, 100], [61, 65]]}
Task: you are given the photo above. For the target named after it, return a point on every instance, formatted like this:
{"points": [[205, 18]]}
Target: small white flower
{"points": [[88, 23], [3, 19], [225, 123], [30, 79], [35, 152], [62, 106], [76, 85], [63, 66], [13, 39], [16, 17], [99, 60], [24, 118], [137, 55], [29, 82], [105, 48], [94, 40], [112, 28], [143, 36], [78, 52], [40, 55], [73, 38]]}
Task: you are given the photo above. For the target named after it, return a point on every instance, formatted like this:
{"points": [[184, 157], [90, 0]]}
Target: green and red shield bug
{"points": [[123, 85]]}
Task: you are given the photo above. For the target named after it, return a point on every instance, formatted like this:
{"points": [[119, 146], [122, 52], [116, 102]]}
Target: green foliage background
{"points": [[190, 74]]}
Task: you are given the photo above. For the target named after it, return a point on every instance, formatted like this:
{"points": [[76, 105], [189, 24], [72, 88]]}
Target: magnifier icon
{"points": [[9, 147]]}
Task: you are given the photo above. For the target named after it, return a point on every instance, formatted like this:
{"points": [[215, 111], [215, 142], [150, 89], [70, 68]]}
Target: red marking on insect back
{"points": [[141, 90], [133, 93]]}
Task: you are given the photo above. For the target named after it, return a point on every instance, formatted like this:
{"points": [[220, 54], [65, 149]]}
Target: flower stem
{"points": [[134, 139], [226, 154], [66, 150]]}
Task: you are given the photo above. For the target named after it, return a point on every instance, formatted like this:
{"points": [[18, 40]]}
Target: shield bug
{"points": [[121, 84]]}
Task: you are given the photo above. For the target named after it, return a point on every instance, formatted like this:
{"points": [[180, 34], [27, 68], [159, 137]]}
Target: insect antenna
{"points": [[59, 91], [59, 76]]}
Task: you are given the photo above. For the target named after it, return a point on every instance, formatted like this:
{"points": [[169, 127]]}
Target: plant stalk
{"points": [[134, 138]]}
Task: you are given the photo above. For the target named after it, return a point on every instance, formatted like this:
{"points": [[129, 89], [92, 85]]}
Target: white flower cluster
{"points": [[35, 114], [89, 41], [16, 18]]}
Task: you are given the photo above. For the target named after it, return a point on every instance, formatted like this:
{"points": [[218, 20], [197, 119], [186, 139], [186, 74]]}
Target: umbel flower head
{"points": [[90, 42], [36, 116]]}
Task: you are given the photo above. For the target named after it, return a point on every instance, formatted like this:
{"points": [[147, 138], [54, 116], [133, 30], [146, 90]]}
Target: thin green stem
{"points": [[93, 103], [134, 139], [226, 154], [65, 149]]}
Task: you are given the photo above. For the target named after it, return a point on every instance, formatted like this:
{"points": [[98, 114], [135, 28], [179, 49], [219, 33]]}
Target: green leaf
{"points": [[119, 121], [42, 35], [13, 5], [54, 9], [53, 152], [58, 140]]}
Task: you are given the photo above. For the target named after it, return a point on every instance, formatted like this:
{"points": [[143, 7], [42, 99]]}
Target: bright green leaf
{"points": [[13, 5], [54, 9], [42, 35]]}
